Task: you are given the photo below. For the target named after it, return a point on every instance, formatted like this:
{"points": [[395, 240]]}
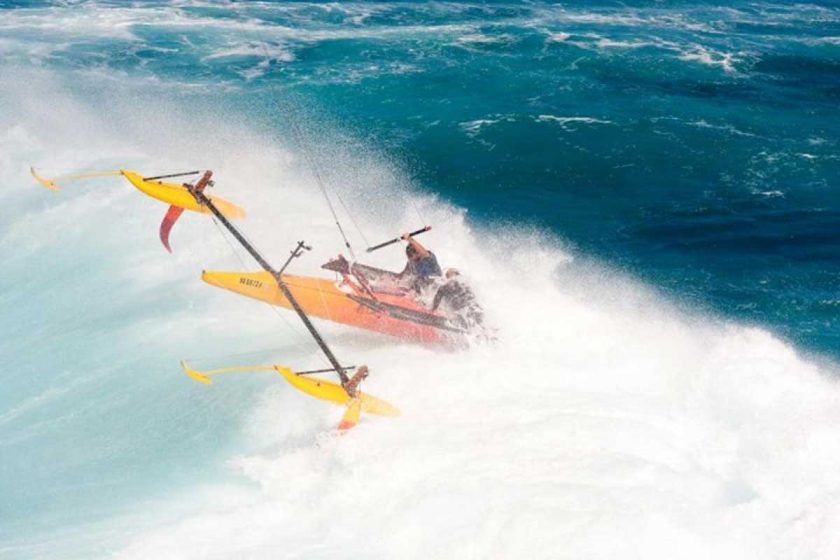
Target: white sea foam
{"points": [[117, 22], [76, 23], [484, 39], [562, 121], [724, 127], [558, 37], [592, 426], [773, 194], [259, 50], [617, 19], [710, 57], [605, 43], [474, 128], [266, 54]]}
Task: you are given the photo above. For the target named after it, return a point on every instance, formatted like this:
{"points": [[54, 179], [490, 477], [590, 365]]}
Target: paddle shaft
{"points": [[184, 174], [396, 239], [203, 199]]}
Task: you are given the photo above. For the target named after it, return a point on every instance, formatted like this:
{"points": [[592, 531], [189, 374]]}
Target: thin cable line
{"points": [[304, 146]]}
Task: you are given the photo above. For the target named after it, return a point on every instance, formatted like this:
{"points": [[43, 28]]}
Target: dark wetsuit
{"points": [[459, 298]]}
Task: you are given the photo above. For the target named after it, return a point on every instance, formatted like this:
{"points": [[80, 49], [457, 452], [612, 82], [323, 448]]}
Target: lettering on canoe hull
{"points": [[251, 283]]}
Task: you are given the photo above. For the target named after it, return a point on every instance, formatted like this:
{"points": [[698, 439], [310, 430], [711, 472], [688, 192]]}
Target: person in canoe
{"points": [[420, 272], [421, 284], [456, 300], [422, 266]]}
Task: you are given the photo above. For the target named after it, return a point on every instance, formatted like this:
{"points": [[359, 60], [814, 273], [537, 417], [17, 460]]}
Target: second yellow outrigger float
{"points": [[191, 196]]}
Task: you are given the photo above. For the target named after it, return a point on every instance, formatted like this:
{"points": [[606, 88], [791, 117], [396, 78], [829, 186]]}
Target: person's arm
{"points": [[422, 251], [438, 298]]}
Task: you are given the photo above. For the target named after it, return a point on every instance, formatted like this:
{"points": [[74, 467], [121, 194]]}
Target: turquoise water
{"points": [[691, 147]]}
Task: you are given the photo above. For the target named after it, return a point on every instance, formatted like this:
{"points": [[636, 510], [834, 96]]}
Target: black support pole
{"points": [[396, 239], [184, 174], [278, 277]]}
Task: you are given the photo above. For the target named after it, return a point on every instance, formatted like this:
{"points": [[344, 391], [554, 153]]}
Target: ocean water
{"points": [[643, 195]]}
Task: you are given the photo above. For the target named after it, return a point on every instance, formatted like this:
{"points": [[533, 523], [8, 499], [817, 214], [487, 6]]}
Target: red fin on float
{"points": [[169, 220]]}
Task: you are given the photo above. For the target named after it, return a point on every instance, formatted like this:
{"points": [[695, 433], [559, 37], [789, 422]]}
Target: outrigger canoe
{"points": [[178, 196], [191, 196]]}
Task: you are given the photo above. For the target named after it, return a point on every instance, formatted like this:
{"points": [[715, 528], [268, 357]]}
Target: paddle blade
{"points": [[169, 220], [195, 374], [351, 416]]}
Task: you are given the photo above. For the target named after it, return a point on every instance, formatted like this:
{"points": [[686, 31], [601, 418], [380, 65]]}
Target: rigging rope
{"points": [[353, 220], [417, 210], [304, 147], [310, 160]]}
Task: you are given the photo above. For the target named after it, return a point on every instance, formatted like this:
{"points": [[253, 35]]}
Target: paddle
{"points": [[396, 239]]}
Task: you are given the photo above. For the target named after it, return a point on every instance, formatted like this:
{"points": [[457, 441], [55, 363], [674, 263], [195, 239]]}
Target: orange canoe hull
{"points": [[322, 298]]}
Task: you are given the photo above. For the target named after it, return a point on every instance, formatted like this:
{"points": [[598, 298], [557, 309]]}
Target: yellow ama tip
{"points": [[44, 181], [195, 374]]}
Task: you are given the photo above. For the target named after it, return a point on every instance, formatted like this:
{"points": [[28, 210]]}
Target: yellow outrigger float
{"points": [[170, 193], [179, 197], [191, 197], [318, 388]]}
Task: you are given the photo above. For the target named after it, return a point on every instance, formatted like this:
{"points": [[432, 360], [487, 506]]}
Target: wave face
{"points": [[640, 196]]}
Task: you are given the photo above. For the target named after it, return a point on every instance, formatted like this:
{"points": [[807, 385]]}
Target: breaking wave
{"points": [[604, 419]]}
